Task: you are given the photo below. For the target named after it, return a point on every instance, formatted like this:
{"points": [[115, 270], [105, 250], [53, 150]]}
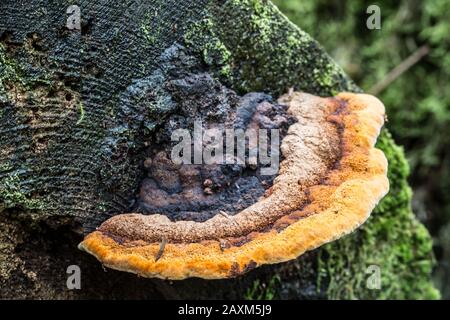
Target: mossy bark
{"points": [[74, 137]]}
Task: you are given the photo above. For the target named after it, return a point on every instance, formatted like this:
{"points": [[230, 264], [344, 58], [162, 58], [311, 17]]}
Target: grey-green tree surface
{"points": [[78, 109]]}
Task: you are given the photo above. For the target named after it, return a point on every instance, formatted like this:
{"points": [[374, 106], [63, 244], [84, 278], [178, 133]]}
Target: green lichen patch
{"points": [[152, 26], [202, 39], [82, 113], [13, 195], [268, 53], [27, 102], [8, 73]]}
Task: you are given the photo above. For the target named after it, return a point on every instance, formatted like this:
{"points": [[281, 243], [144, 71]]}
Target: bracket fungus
{"points": [[330, 178]]}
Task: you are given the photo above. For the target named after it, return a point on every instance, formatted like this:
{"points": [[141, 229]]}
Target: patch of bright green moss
{"points": [[269, 53], [262, 291], [11, 194], [201, 38]]}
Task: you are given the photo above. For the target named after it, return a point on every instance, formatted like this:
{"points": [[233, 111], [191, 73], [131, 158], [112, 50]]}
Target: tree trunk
{"points": [[74, 136]]}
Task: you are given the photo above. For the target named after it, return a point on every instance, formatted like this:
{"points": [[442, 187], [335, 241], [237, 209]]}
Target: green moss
{"points": [[392, 239], [150, 27], [201, 38], [263, 51], [14, 189], [82, 113], [153, 25], [8, 72], [268, 53], [148, 34], [150, 31], [263, 291], [12, 195]]}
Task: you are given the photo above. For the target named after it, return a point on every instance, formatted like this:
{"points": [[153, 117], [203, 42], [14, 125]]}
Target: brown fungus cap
{"points": [[310, 202]]}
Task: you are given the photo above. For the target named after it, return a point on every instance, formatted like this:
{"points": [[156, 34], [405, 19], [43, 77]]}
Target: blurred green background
{"points": [[414, 38]]}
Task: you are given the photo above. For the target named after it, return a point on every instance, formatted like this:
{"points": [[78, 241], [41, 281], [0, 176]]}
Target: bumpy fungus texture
{"points": [[199, 192], [330, 179]]}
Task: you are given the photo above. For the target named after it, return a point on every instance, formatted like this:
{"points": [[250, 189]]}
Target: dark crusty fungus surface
{"points": [[219, 221], [198, 192]]}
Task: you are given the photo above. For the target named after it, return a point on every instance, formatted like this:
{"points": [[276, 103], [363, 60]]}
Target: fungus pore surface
{"points": [[222, 220]]}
